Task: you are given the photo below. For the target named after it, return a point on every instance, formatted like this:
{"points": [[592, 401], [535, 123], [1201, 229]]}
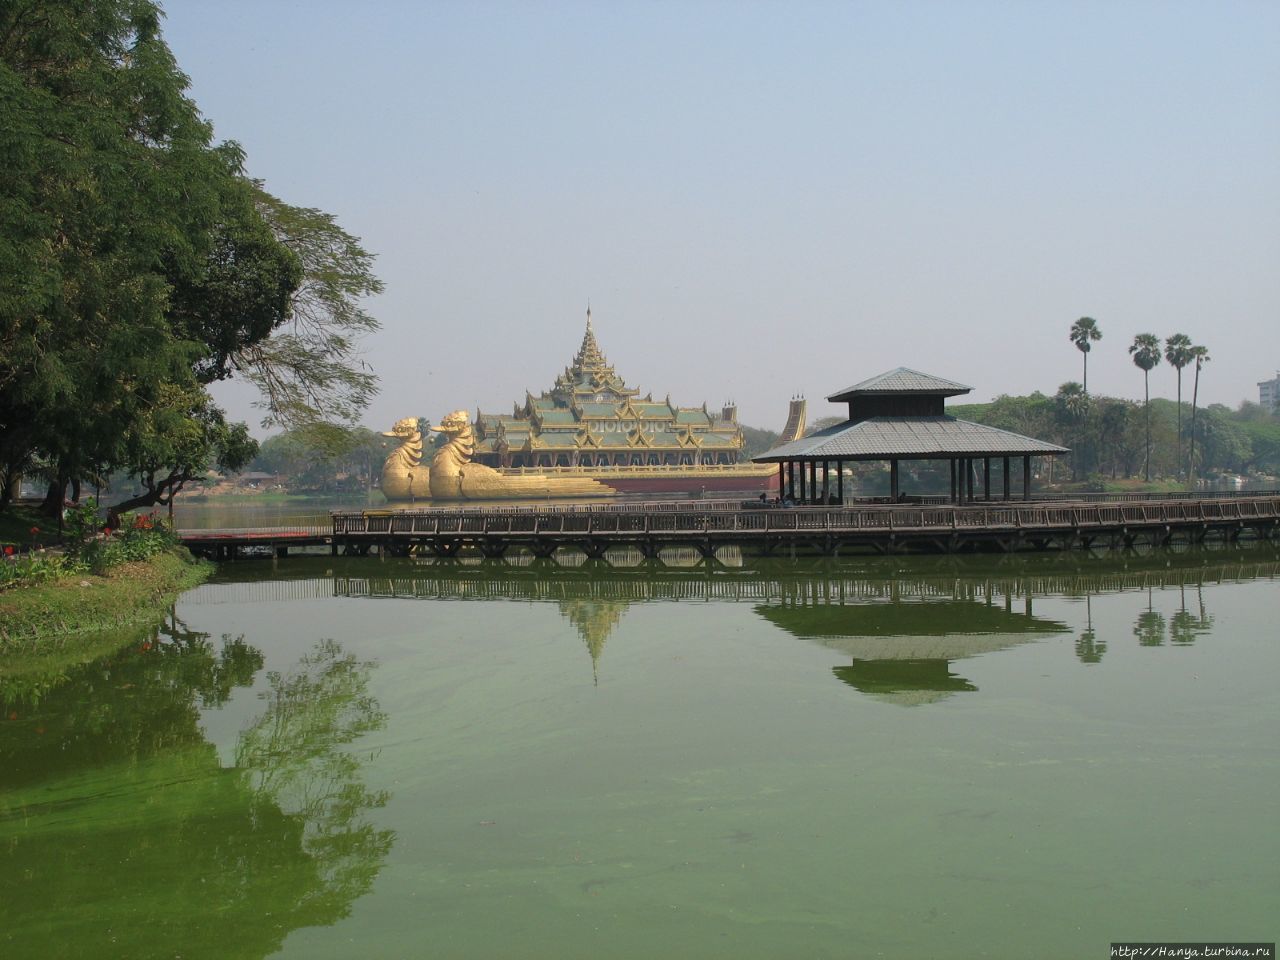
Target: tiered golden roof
{"points": [[591, 417]]}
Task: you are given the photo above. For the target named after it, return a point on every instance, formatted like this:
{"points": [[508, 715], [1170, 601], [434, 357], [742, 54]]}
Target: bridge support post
{"points": [[446, 548]]}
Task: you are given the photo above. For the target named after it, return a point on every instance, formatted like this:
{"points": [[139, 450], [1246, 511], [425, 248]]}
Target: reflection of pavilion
{"points": [[902, 652]]}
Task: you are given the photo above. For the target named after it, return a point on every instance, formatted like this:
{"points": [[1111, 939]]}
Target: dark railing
{"points": [[730, 518]]}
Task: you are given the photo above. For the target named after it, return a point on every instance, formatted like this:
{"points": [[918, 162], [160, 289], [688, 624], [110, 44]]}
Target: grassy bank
{"points": [[39, 620]]}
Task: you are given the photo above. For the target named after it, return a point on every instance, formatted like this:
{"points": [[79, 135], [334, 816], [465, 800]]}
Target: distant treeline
{"points": [[1108, 438]]}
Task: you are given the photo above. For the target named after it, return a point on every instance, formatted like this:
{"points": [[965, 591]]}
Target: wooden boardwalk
{"points": [[1005, 526], [831, 531]]}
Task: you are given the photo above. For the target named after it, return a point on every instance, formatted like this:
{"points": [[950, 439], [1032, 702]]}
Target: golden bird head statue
{"points": [[405, 429], [454, 423]]}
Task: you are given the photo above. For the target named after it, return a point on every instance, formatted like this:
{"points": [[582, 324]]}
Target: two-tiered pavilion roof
{"points": [[897, 416]]}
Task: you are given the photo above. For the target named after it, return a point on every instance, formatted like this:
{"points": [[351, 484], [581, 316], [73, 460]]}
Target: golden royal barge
{"points": [[590, 435]]}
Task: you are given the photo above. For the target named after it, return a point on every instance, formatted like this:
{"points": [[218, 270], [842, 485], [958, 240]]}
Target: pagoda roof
{"points": [[588, 396], [692, 415], [908, 438], [902, 381], [556, 416], [589, 371]]}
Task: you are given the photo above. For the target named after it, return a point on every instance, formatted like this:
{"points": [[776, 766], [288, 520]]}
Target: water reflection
{"points": [[122, 834], [1149, 627], [902, 624], [902, 650], [141, 700]]}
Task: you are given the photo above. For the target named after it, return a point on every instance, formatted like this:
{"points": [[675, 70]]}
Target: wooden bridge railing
{"points": [[631, 521]]}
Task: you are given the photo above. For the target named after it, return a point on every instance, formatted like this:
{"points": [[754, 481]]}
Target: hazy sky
{"points": [[768, 199]]}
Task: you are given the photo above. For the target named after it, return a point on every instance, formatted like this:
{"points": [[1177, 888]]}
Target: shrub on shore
{"points": [[42, 616], [87, 547]]}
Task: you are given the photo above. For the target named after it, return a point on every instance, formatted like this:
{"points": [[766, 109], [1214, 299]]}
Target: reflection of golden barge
{"points": [[589, 436]]}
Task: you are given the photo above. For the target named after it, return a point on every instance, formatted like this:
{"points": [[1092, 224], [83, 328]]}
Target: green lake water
{"points": [[315, 758]]}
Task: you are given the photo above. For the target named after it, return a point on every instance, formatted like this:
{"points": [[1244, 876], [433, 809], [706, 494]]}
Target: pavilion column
{"points": [[986, 478], [782, 480], [893, 480], [968, 479], [1005, 476], [813, 481], [826, 481], [840, 481], [1026, 477], [951, 492], [802, 483], [790, 490]]}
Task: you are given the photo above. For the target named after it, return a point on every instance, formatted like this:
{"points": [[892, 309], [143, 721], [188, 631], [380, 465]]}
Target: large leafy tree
{"points": [[112, 198], [176, 441], [1177, 350], [138, 262], [1072, 407], [1083, 334], [1145, 351]]}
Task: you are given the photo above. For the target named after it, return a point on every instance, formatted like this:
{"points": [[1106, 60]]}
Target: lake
{"points": [[919, 757]]}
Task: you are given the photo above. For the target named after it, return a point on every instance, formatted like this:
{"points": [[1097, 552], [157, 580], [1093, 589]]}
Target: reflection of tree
{"points": [[293, 759], [123, 835], [126, 707], [1185, 626], [1149, 628], [1088, 647]]}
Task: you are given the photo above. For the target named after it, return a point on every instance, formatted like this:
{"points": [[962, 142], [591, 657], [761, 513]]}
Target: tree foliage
{"points": [[138, 263], [324, 459], [309, 370], [1178, 350], [1145, 351], [1083, 333]]}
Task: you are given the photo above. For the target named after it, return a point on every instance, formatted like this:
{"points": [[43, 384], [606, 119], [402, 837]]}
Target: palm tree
{"points": [[1146, 355], [1201, 356], [1177, 350], [1073, 409], [1083, 332]]}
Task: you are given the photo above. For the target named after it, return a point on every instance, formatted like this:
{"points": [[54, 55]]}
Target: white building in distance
{"points": [[1269, 394]]}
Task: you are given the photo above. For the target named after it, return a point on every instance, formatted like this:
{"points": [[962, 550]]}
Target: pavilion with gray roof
{"points": [[899, 416]]}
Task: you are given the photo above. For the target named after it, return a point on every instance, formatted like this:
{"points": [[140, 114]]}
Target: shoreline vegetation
{"points": [[49, 627], [79, 603], [70, 594]]}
